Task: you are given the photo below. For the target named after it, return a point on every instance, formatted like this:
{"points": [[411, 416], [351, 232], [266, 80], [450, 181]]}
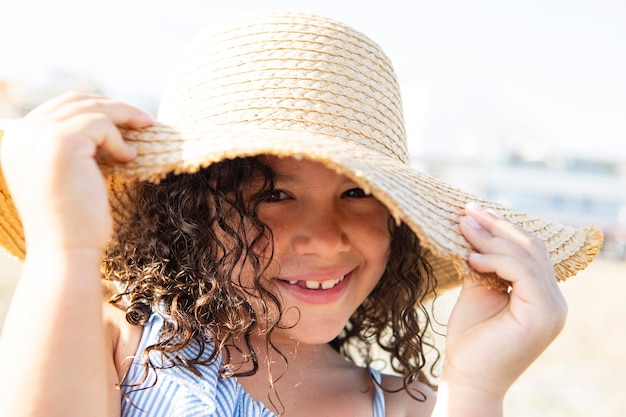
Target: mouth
{"points": [[316, 285], [316, 291]]}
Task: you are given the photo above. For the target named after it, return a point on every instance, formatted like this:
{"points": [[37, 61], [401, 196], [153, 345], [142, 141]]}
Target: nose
{"points": [[321, 232]]}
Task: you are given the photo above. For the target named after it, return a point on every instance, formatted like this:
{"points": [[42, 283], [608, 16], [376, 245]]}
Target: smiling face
{"points": [[331, 245]]}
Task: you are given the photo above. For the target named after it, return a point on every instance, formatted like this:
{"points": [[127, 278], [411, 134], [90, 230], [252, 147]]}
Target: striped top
{"points": [[178, 392]]}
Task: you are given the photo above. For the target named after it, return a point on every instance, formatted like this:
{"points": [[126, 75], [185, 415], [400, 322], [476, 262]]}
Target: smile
{"points": [[316, 285], [313, 291]]}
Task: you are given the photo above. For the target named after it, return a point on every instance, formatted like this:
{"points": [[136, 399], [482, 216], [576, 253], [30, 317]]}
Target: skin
{"points": [[67, 351], [324, 227]]}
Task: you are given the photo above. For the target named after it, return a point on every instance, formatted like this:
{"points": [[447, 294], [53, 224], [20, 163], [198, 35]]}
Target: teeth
{"points": [[316, 285], [312, 285], [325, 285], [329, 284]]}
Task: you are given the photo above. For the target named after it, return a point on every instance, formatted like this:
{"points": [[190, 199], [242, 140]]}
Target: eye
{"points": [[277, 195], [355, 193]]}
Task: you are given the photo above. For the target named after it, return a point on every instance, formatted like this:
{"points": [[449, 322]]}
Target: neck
{"points": [[286, 353], [283, 357], [297, 372]]}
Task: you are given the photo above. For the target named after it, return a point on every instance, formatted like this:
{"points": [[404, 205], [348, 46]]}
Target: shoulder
{"points": [[122, 337], [398, 403]]}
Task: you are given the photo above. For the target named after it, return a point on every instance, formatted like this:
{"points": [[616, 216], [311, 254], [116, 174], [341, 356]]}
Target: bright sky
{"points": [[549, 74]]}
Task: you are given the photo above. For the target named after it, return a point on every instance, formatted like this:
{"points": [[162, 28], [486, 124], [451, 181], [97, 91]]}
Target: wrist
{"points": [[36, 253], [463, 400], [57, 267]]}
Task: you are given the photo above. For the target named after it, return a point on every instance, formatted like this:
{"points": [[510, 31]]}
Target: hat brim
{"points": [[431, 208]]}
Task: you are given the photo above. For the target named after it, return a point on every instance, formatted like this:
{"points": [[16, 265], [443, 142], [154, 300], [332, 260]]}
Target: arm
{"points": [[54, 338], [57, 359], [492, 336]]}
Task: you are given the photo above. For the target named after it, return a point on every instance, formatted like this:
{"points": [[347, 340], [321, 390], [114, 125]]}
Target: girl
{"points": [[251, 252]]}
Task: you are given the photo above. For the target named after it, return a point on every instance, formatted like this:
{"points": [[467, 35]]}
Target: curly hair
{"points": [[181, 246], [393, 318]]}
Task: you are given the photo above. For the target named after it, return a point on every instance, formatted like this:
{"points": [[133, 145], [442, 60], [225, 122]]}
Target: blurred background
{"points": [[520, 102]]}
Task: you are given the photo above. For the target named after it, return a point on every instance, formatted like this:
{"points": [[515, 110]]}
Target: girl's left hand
{"points": [[494, 336]]}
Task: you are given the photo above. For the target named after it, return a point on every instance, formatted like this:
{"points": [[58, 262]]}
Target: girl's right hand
{"points": [[49, 160]]}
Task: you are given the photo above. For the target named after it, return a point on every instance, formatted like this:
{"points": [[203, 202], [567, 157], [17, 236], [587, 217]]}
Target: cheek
{"points": [[264, 305], [384, 224], [245, 256], [376, 233], [384, 247], [380, 237]]}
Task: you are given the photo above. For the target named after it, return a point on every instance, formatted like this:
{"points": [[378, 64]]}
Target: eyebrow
{"points": [[291, 179], [285, 178]]}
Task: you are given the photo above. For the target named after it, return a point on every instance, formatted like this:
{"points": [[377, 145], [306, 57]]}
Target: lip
{"points": [[317, 296]]}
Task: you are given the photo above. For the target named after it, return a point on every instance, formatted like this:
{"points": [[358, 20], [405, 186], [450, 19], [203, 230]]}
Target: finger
{"points": [[513, 269], [485, 242], [528, 287], [535, 300], [70, 104], [506, 235], [507, 250], [532, 279], [120, 113], [497, 225], [105, 140]]}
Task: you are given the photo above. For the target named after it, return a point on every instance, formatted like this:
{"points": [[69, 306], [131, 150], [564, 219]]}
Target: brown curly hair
{"points": [[183, 242]]}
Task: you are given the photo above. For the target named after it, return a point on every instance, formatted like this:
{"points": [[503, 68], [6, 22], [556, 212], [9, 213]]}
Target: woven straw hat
{"points": [[304, 86]]}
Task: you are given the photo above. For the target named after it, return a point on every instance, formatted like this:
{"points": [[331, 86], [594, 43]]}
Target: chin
{"points": [[314, 332]]}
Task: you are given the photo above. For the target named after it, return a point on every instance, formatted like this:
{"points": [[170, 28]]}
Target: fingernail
{"points": [[132, 151], [473, 223], [474, 206], [495, 214], [148, 117], [475, 256]]}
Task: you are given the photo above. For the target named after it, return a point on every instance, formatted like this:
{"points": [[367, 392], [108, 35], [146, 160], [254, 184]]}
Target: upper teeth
{"points": [[325, 285]]}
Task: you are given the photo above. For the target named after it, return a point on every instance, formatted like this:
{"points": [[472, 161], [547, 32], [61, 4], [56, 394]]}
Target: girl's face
{"points": [[331, 245]]}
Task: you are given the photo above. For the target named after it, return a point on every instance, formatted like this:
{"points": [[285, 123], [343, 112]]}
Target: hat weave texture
{"points": [[303, 86]]}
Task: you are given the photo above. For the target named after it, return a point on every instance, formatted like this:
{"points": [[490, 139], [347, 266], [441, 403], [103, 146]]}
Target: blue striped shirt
{"points": [[178, 392]]}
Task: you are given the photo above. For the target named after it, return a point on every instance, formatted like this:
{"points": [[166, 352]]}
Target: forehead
{"points": [[301, 171]]}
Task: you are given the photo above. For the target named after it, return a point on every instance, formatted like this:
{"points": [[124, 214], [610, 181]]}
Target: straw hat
{"points": [[304, 86]]}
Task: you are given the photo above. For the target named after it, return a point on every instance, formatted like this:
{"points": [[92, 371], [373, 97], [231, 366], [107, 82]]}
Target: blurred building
{"points": [[572, 190]]}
